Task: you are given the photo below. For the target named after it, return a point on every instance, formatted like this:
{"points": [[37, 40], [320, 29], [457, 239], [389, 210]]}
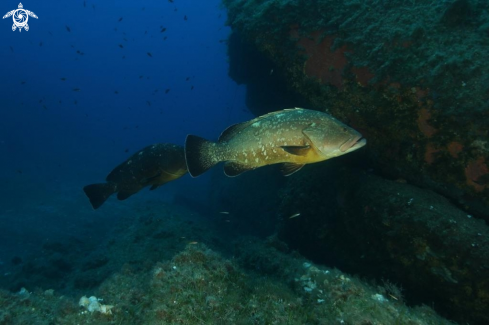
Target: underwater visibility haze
{"points": [[351, 144]]}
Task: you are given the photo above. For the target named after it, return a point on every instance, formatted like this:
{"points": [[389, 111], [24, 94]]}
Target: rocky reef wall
{"points": [[410, 75], [383, 229]]}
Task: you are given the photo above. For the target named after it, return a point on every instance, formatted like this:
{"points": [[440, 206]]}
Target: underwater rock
{"points": [[386, 229], [410, 76], [93, 304], [199, 286]]}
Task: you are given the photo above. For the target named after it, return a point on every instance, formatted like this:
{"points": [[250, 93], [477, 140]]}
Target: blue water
{"points": [[58, 135]]}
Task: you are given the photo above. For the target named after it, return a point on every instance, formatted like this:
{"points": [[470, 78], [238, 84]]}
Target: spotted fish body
{"points": [[152, 166], [294, 137]]}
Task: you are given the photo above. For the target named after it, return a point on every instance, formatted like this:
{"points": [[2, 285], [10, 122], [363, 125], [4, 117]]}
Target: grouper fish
{"points": [[154, 165], [294, 137]]}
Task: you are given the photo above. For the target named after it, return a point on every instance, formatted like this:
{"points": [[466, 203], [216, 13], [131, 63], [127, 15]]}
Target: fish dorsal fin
{"points": [[236, 128], [232, 130], [290, 168], [297, 150], [232, 168]]}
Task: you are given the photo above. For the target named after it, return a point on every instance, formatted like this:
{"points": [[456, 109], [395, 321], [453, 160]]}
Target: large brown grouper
{"points": [[154, 165], [294, 137]]}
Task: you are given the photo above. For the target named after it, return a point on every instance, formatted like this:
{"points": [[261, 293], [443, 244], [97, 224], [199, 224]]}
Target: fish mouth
{"points": [[353, 144]]}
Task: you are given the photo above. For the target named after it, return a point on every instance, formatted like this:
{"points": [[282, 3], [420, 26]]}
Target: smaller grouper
{"points": [[294, 137], [154, 165]]}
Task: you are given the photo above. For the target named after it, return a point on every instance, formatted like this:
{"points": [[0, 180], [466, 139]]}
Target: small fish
{"points": [[224, 212], [193, 243], [22, 82], [76, 89], [163, 30], [154, 165], [164, 38], [68, 28], [171, 1], [84, 4], [11, 49], [149, 54], [294, 215], [121, 46], [120, 19], [187, 79], [116, 92], [294, 137], [185, 17], [167, 90], [40, 43], [192, 88], [62, 79]]}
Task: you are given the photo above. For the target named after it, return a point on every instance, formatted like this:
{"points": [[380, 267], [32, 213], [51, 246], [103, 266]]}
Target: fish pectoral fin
{"points": [[232, 168], [150, 179], [297, 150], [290, 168]]}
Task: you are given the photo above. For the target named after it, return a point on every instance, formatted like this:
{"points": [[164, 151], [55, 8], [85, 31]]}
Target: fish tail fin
{"points": [[99, 193], [199, 155]]}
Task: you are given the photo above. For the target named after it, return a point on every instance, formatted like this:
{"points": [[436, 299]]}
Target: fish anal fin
{"points": [[232, 168], [297, 150], [290, 168]]}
